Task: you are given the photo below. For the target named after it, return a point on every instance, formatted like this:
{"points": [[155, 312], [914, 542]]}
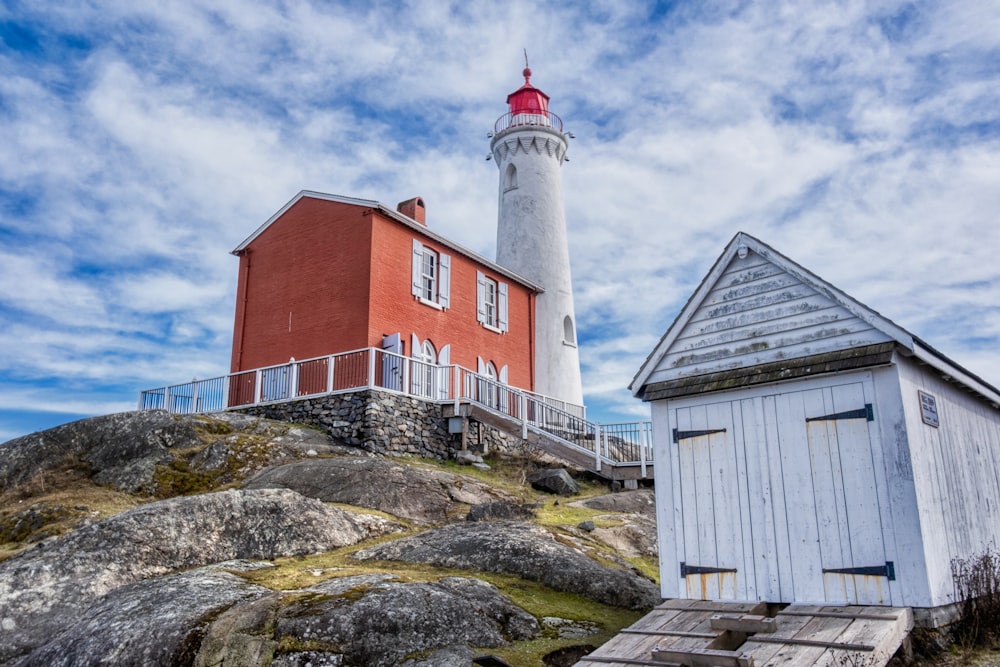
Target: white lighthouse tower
{"points": [[529, 147]]}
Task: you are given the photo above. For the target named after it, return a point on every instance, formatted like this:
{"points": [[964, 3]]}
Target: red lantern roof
{"points": [[528, 106], [527, 98]]}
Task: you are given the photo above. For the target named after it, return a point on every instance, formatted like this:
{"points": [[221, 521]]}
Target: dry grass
{"points": [[54, 503]]}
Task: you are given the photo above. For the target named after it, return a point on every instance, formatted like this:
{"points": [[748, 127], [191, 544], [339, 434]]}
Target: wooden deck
{"points": [[697, 633]]}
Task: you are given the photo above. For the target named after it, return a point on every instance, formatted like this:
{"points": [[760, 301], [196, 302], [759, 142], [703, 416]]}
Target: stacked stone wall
{"points": [[389, 423], [378, 421]]}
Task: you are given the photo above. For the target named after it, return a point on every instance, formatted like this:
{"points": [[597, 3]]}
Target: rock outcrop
{"points": [[207, 617], [45, 588], [123, 447], [634, 516], [123, 450], [399, 618], [419, 494], [523, 549], [499, 511], [156, 622], [194, 580]]}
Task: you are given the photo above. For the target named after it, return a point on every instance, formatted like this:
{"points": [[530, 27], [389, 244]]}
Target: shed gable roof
{"points": [[757, 308]]}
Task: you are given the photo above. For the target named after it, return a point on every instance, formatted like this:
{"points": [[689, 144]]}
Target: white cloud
{"points": [[139, 144]]}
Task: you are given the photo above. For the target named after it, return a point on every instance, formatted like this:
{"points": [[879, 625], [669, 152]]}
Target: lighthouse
{"points": [[529, 147]]}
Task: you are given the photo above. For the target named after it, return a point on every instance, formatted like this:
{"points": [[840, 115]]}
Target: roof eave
{"points": [[396, 216]]}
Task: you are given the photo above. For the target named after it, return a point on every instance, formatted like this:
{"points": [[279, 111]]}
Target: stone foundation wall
{"points": [[484, 439], [392, 424], [378, 421]]}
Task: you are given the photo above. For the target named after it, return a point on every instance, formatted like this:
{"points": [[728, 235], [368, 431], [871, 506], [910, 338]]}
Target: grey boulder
{"points": [[523, 549], [421, 495], [380, 623], [554, 480]]}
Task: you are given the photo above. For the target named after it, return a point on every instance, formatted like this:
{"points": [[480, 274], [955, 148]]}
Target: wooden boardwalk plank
{"points": [[823, 635]]}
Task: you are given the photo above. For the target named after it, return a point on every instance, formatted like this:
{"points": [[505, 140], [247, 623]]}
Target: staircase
{"points": [[582, 444]]}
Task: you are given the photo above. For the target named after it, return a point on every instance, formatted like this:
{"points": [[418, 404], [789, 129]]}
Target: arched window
{"points": [[569, 335], [510, 178], [428, 353], [423, 375]]}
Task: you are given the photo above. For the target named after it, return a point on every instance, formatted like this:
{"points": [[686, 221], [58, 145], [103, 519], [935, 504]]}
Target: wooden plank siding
{"points": [[955, 471], [757, 313]]}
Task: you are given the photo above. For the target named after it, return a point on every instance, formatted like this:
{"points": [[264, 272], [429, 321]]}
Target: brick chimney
{"points": [[414, 208]]}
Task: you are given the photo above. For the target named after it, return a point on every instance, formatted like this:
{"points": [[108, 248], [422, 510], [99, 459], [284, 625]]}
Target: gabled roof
{"points": [[879, 329], [406, 221]]}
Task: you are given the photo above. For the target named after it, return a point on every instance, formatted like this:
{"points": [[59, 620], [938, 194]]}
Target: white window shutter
{"points": [[503, 374], [480, 297], [502, 306], [417, 271], [393, 343], [444, 281], [415, 346], [480, 366]]}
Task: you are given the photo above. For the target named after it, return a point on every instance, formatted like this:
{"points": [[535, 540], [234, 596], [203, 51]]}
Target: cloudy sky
{"points": [[140, 142]]}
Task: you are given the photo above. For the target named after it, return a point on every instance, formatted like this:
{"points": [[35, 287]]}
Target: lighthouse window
{"points": [[430, 275], [510, 178], [491, 303], [569, 335]]}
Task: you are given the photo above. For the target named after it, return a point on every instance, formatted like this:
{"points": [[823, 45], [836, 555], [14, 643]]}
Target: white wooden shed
{"points": [[810, 450]]}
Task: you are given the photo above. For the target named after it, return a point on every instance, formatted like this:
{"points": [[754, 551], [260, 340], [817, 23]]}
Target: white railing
{"points": [[372, 368], [609, 444]]}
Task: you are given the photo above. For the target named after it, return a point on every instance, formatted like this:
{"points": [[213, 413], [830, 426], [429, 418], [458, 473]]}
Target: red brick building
{"points": [[329, 274]]}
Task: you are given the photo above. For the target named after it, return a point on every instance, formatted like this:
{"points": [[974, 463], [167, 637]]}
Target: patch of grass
{"points": [[58, 510], [177, 479], [503, 475], [70, 471], [209, 425], [648, 565], [246, 454], [540, 601], [558, 512], [354, 509]]}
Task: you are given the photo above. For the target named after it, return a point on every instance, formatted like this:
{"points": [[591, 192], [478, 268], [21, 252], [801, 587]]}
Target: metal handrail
{"points": [[521, 119]]}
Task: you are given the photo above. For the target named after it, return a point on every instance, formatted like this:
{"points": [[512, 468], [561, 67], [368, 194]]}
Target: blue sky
{"points": [[141, 142]]}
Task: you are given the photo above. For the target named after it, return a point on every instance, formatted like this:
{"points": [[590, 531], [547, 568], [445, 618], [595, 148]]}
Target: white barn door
{"points": [[847, 542], [777, 496], [712, 564]]}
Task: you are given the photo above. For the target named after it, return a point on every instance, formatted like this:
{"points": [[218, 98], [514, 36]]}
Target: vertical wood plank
{"points": [[779, 510], [803, 535]]}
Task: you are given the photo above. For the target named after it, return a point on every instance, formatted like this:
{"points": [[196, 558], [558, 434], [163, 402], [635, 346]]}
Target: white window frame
{"points": [[492, 315], [431, 276], [422, 377]]}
